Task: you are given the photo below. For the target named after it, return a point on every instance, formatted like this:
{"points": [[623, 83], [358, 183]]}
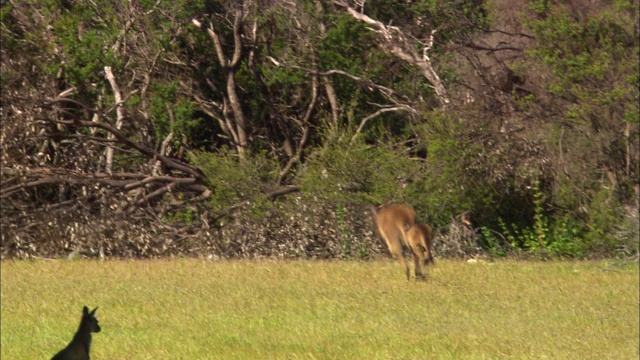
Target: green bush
{"points": [[357, 173], [234, 181]]}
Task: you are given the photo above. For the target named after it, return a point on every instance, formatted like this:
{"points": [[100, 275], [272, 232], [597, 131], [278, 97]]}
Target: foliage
{"points": [[442, 189], [454, 20], [172, 114], [540, 139], [186, 216], [234, 181], [593, 56], [357, 173]]}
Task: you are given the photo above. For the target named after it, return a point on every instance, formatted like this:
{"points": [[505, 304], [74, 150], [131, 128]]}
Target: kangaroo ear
{"points": [[85, 310], [93, 311]]}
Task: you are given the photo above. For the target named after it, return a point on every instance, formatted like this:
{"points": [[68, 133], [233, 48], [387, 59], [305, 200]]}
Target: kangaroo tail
{"points": [[427, 243], [374, 212]]}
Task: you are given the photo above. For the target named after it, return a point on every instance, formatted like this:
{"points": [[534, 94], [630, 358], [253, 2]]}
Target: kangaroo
{"points": [[420, 239], [394, 222], [78, 348]]}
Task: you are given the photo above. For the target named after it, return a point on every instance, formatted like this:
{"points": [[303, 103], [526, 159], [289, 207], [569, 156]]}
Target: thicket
{"points": [[258, 128]]}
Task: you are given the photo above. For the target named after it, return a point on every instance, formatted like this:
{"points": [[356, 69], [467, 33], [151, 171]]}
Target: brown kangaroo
{"points": [[78, 348], [393, 223], [420, 239]]}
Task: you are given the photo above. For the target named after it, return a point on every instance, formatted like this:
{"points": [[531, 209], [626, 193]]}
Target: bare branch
{"points": [[305, 131], [271, 196], [493, 49], [214, 37], [395, 41], [153, 179], [237, 36], [366, 83], [167, 161], [378, 113], [67, 92], [154, 194], [232, 100], [119, 114], [333, 99]]}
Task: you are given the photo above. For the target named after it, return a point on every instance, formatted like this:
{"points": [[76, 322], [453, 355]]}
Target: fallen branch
{"points": [[167, 161], [152, 179], [90, 253], [271, 196]]}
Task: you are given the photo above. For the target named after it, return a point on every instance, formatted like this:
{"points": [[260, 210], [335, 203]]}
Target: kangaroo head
{"points": [[89, 320]]}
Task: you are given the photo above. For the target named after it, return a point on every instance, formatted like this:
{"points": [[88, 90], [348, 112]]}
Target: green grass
{"points": [[197, 309]]}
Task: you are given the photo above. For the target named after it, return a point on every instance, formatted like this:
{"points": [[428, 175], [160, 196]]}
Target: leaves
{"points": [[228, 107]]}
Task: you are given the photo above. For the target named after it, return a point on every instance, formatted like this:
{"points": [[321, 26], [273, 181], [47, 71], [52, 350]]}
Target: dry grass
{"points": [[197, 309]]}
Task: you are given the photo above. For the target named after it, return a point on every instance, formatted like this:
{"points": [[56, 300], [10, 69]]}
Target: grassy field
{"points": [[198, 309]]}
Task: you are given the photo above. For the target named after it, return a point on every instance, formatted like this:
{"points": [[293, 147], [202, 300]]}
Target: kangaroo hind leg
{"points": [[418, 260]]}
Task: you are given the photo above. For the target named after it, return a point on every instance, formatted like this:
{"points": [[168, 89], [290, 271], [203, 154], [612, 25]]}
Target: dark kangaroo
{"points": [[78, 348]]}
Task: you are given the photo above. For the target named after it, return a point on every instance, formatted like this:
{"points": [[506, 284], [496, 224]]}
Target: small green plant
{"points": [[185, 216], [535, 239], [540, 220], [362, 252], [561, 237], [493, 242], [510, 235], [564, 238]]}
